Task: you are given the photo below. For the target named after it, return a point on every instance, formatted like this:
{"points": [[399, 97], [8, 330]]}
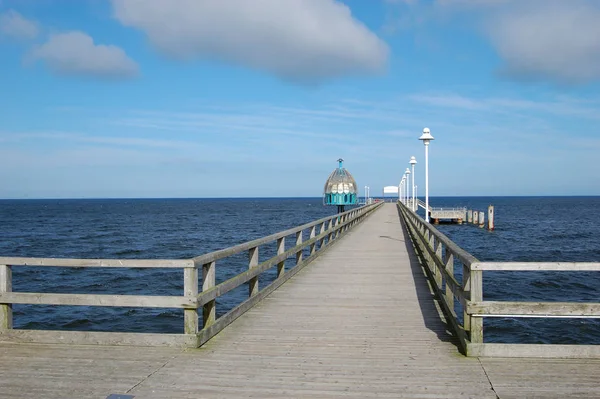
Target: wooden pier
{"points": [[366, 315]]}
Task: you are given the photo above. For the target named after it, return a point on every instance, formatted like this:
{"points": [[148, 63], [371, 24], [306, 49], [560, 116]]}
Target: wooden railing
{"points": [[195, 296], [442, 258]]}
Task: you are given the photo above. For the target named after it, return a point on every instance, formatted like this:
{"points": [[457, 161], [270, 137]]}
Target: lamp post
{"points": [[407, 191], [413, 162], [426, 137]]}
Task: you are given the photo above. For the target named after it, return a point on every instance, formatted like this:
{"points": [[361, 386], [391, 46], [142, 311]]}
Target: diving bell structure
{"points": [[340, 188]]}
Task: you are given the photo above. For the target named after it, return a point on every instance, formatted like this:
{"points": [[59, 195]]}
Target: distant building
{"points": [[340, 188]]}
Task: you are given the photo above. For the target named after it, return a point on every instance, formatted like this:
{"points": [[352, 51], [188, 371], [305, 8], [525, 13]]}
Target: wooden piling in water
{"points": [[491, 217], [481, 219], [469, 216], [475, 217]]}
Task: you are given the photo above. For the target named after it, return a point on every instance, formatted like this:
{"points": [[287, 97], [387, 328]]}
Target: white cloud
{"points": [[543, 40], [75, 53], [300, 40], [15, 25], [557, 41]]}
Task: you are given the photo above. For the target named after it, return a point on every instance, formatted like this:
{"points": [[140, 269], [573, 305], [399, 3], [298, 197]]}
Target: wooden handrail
{"points": [[431, 244], [194, 296]]}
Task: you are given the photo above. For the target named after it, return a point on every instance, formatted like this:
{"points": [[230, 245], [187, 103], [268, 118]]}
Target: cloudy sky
{"points": [[236, 98]]}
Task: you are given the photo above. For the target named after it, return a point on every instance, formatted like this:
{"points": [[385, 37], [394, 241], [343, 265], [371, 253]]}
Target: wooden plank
{"points": [[281, 251], [299, 244], [540, 309], [6, 313], [252, 263], [449, 269], [538, 266], [98, 338], [534, 350], [130, 263], [190, 291], [209, 309], [476, 332], [142, 301]]}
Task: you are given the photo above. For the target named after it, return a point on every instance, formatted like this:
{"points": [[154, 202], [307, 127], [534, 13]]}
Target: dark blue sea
{"points": [[527, 229]]}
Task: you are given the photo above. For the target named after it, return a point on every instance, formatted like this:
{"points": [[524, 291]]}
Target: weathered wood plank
{"points": [[190, 291], [209, 309], [6, 313], [534, 350], [130, 263], [540, 309], [98, 338], [538, 266], [142, 301], [252, 263]]}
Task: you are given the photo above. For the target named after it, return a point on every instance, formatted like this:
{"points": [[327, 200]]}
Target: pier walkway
{"points": [[360, 322]]}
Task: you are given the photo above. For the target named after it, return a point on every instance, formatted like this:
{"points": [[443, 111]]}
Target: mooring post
{"points": [[475, 217], [469, 216], [481, 219], [491, 217], [6, 313]]}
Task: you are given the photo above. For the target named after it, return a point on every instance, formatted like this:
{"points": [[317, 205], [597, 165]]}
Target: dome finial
{"points": [[341, 162]]}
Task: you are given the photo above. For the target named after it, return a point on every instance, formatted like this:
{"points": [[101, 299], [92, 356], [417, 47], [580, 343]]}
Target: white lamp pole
{"points": [[407, 191], [426, 137], [412, 162]]}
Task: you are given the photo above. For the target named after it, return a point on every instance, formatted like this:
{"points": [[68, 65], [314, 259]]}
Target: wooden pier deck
{"points": [[359, 322]]}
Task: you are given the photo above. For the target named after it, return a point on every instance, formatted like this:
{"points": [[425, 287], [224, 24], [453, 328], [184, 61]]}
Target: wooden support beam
{"points": [[281, 250], [209, 309], [253, 262], [6, 313], [190, 290]]}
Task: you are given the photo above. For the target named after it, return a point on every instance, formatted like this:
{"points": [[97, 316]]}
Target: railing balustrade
{"points": [[440, 258], [196, 295]]}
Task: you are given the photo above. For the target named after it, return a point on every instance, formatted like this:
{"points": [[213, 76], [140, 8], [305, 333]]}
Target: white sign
{"points": [[390, 190]]}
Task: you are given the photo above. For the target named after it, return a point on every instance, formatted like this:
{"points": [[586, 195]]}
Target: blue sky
{"points": [[236, 98]]}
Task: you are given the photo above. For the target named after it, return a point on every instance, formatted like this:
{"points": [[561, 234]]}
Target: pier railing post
{"points": [[466, 287], [321, 231], [190, 289], [6, 313], [313, 246], [331, 226], [449, 265], [476, 296], [299, 242], [280, 250], [209, 310], [253, 262], [439, 275]]}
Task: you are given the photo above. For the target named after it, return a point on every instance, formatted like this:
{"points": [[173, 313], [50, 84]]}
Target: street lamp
{"points": [[426, 137], [407, 191], [413, 162]]}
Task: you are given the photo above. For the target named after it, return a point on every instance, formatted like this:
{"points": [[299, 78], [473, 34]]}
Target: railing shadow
{"points": [[433, 316]]}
